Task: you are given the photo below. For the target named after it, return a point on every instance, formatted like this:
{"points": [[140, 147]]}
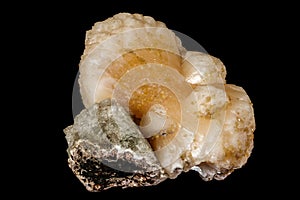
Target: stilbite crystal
{"points": [[154, 109]]}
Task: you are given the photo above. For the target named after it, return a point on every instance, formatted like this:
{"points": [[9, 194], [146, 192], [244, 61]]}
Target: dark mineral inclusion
{"points": [[106, 149]]}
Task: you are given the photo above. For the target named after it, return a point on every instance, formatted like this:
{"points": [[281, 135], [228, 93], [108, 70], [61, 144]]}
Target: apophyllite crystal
{"points": [[154, 109]]}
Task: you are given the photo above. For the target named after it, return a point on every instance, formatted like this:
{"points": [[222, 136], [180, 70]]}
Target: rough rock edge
{"points": [[100, 166], [92, 166]]}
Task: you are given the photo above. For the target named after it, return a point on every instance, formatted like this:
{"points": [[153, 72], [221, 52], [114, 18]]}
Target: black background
{"points": [[237, 34]]}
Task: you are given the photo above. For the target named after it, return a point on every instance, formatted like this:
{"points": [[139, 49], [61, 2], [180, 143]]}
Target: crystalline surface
{"points": [[154, 109]]}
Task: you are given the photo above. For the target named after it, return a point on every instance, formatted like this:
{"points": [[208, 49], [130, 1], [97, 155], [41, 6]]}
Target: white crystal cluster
{"points": [[178, 99]]}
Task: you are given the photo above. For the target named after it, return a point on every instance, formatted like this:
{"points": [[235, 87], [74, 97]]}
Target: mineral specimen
{"points": [[154, 109]]}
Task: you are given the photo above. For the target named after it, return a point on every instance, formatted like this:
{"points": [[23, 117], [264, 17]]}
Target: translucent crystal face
{"points": [[154, 109]]}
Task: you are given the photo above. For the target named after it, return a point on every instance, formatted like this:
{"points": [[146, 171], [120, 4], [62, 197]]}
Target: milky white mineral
{"points": [[154, 109]]}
